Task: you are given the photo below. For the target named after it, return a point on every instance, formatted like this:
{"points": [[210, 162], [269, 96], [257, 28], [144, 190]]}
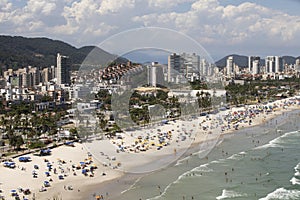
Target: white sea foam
{"points": [[202, 168], [282, 193], [132, 186], [181, 161], [295, 181], [235, 157], [218, 161], [297, 170], [277, 142], [297, 167], [229, 194], [167, 188]]}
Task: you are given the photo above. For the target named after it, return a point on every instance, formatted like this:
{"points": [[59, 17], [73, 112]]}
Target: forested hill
{"points": [[17, 51]]}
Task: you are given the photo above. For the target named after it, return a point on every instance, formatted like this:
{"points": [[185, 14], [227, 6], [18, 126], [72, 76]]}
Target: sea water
{"points": [[261, 162]]}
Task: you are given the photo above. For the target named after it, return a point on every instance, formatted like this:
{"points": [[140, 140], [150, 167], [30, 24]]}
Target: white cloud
{"points": [[40, 6], [80, 11], [5, 5], [99, 30], [167, 3], [114, 6], [231, 24], [202, 5], [208, 21]]}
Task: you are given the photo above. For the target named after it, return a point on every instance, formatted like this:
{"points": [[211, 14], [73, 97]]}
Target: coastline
{"points": [[128, 181], [85, 187]]}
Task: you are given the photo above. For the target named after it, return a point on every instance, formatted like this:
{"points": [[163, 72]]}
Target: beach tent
{"points": [[46, 183], [11, 165], [70, 144], [24, 159], [84, 171], [164, 121], [13, 193], [82, 163], [45, 152]]}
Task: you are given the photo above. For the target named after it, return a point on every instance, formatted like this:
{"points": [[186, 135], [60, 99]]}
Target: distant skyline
{"points": [[222, 27]]}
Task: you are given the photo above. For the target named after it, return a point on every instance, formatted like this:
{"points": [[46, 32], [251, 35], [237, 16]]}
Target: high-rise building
{"points": [[33, 76], [270, 64], [274, 64], [52, 72], [155, 75], [174, 65], [191, 62], [62, 70], [230, 66], [279, 66], [184, 64], [254, 64], [297, 65], [204, 67]]}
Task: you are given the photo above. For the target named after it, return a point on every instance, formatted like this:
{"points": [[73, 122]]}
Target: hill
{"points": [[17, 51], [289, 59], [241, 61]]}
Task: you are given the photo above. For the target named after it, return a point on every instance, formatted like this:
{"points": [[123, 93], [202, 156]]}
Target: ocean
{"points": [[261, 162]]}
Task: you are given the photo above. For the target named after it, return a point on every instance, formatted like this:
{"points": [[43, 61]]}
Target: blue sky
{"points": [[222, 27]]}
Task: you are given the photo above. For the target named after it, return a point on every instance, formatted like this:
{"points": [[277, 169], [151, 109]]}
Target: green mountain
{"points": [[17, 51], [240, 60]]}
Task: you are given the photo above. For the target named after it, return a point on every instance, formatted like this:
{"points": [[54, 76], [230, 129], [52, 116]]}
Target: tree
{"points": [[16, 141]]}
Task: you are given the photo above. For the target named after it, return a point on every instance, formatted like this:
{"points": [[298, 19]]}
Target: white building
{"points": [[230, 66], [297, 65], [254, 64], [274, 64]]}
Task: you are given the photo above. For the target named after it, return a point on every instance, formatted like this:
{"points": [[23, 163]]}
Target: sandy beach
{"points": [[137, 151], [62, 159]]}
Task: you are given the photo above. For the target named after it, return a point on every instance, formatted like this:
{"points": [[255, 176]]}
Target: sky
{"points": [[221, 27]]}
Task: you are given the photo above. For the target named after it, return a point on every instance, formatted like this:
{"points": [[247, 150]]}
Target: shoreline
{"points": [[194, 148], [85, 187]]}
